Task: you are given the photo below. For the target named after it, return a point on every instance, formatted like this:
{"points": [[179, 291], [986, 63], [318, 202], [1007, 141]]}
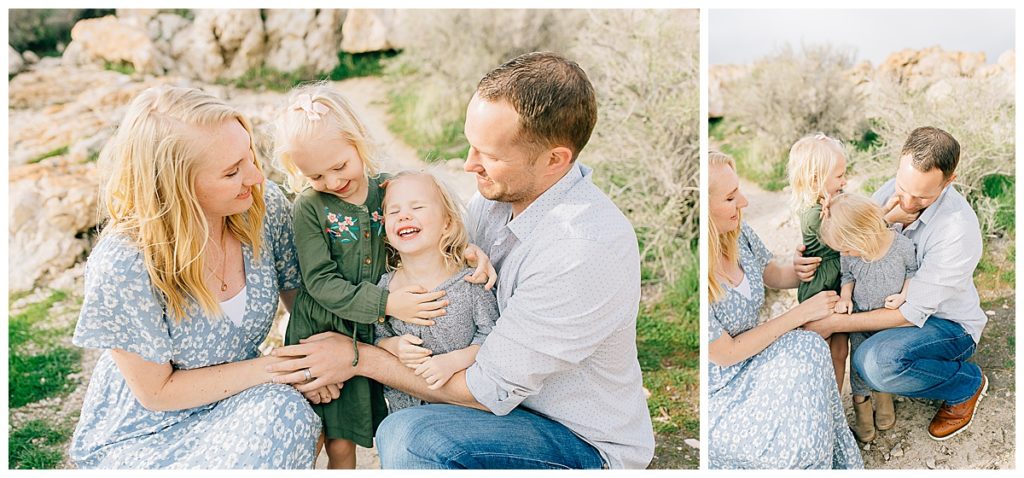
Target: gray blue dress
{"points": [[470, 315], [779, 408], [265, 426]]}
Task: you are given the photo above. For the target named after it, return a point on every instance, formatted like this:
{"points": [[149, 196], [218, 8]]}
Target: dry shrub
{"points": [[646, 146], [434, 78], [978, 112], [792, 94]]}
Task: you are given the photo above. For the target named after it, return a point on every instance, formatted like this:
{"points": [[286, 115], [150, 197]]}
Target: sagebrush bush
{"points": [[434, 77], [646, 146], [789, 95], [645, 69], [984, 127]]}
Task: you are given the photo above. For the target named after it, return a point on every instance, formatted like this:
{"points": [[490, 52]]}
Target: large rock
{"points": [[919, 68], [107, 39], [370, 30], [720, 77], [14, 61], [220, 44], [49, 208], [303, 39]]}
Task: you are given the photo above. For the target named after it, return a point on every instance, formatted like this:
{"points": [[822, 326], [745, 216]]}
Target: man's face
{"points": [[505, 169], [917, 189]]}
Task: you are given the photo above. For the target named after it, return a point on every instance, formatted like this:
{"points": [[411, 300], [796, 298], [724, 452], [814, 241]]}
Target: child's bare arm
{"points": [[845, 304], [437, 370], [896, 300]]}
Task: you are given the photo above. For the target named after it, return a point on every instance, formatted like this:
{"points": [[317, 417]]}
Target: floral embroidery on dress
{"points": [[377, 220], [342, 228]]}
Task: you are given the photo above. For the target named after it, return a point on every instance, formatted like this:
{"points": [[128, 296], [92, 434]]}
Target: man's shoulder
{"points": [[587, 213]]}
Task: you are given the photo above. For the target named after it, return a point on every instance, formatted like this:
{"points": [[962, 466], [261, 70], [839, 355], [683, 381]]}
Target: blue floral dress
{"points": [[265, 426], [779, 408]]}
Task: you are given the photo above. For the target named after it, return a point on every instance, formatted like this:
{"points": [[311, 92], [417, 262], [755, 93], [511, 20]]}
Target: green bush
{"points": [[45, 31]]}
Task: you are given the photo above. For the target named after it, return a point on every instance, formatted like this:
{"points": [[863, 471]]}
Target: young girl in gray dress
{"points": [[876, 264], [424, 226]]}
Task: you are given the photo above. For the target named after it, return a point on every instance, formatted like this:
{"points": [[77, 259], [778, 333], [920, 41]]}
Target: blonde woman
{"points": [[180, 291], [425, 227], [772, 394], [877, 264]]}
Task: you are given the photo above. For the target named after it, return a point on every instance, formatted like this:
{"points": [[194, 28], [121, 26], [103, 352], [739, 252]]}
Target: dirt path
{"points": [[988, 443]]}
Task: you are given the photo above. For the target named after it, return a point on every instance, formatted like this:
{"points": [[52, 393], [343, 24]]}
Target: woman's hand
{"points": [[818, 307], [484, 273], [324, 394], [409, 351], [327, 356], [415, 305]]}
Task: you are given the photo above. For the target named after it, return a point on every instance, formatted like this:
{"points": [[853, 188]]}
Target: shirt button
{"points": [[367, 261], [366, 234], [380, 319]]}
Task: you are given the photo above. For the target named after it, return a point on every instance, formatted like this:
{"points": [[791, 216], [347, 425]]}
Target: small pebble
{"points": [[896, 451], [990, 312], [692, 443], [930, 463]]}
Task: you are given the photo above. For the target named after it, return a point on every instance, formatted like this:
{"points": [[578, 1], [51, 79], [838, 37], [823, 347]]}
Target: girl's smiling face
{"points": [[332, 165], [414, 215], [836, 180]]}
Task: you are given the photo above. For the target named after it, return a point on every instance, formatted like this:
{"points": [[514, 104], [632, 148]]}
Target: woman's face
{"points": [[724, 198], [226, 171]]}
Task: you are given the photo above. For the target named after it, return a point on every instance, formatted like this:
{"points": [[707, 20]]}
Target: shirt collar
{"points": [[523, 224], [933, 209]]}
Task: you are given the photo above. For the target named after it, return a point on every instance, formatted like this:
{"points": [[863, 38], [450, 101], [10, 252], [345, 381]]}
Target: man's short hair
{"points": [[552, 95], [931, 147]]}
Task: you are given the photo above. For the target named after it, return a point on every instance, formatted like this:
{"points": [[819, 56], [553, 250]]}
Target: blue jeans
{"points": [[927, 362], [453, 437]]}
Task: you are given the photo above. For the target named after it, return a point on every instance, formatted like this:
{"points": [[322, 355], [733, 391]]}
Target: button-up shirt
{"points": [[568, 292], [948, 240]]}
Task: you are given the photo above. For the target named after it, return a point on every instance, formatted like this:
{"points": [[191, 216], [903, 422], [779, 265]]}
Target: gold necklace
{"points": [[224, 261]]}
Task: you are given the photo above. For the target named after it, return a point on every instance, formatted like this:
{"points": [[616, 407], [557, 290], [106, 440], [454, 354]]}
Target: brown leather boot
{"points": [[953, 419], [885, 413], [863, 421]]}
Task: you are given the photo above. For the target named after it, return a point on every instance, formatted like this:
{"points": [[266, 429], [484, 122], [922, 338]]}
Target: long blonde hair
{"points": [[150, 197], [720, 245], [296, 124], [811, 160], [854, 222], [454, 240]]}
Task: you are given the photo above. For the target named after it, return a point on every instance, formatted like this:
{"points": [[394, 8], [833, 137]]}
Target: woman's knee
{"points": [[281, 406]]}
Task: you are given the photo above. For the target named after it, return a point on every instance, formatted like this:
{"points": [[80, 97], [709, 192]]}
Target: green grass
{"points": [[668, 342], [42, 371], [36, 445], [49, 154], [449, 143], [1001, 188], [350, 66], [122, 67]]}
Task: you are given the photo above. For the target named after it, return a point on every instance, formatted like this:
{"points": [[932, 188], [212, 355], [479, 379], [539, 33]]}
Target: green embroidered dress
{"points": [[828, 274], [341, 258]]}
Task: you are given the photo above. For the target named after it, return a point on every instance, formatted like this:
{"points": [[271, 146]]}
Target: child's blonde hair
{"points": [[811, 160], [312, 107], [720, 245], [855, 223], [151, 197], [454, 240]]}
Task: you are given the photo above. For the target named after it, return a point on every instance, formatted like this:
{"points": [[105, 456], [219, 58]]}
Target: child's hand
{"points": [[844, 306], [437, 370], [895, 301], [324, 394], [484, 273], [414, 305], [409, 351]]}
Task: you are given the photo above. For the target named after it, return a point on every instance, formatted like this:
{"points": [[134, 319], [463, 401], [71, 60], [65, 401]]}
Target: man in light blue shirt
{"points": [[557, 383], [928, 360]]}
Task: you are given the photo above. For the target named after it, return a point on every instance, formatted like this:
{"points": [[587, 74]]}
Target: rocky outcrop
{"points": [[303, 39], [918, 68], [111, 40], [719, 79], [221, 44], [371, 30], [15, 63]]}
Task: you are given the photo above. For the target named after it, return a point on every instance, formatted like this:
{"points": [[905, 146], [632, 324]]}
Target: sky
{"points": [[742, 36]]}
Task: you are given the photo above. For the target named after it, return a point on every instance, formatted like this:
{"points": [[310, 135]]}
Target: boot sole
{"points": [[984, 392]]}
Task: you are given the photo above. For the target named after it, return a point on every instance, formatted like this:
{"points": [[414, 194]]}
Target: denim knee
{"points": [[878, 366], [400, 436]]}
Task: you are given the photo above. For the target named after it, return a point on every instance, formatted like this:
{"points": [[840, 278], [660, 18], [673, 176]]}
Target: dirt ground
{"points": [[989, 443]]}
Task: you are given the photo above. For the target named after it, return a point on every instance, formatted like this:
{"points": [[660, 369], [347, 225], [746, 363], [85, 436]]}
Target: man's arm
{"points": [[385, 368], [870, 321]]}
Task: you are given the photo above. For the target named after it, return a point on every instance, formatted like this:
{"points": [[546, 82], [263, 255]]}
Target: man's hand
{"points": [[484, 273], [894, 214], [805, 267], [824, 327], [328, 356]]}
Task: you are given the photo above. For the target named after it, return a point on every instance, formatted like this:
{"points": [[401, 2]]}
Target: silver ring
{"points": [[308, 375]]}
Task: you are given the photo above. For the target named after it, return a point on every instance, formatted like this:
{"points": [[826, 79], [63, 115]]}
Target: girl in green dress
{"points": [[817, 172], [339, 239]]}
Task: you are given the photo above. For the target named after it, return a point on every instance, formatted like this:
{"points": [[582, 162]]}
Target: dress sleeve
{"points": [[845, 270], [282, 237], [362, 303], [121, 308], [380, 330], [715, 329], [485, 312]]}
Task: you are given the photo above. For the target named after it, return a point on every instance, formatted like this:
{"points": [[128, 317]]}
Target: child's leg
{"points": [[839, 345], [341, 454]]}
